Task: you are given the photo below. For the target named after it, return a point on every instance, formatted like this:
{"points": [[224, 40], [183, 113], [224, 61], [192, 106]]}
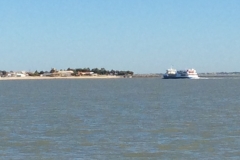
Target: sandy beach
{"points": [[49, 78]]}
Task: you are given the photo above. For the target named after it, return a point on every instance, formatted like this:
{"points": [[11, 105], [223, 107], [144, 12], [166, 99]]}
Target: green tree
{"points": [[4, 73], [53, 70], [36, 73], [95, 70], [103, 71]]}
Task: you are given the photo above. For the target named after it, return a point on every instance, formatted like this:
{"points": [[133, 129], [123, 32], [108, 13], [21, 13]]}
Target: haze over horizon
{"points": [[138, 35]]}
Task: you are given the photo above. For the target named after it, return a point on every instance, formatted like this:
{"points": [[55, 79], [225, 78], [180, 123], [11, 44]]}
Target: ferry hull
{"points": [[175, 77]]}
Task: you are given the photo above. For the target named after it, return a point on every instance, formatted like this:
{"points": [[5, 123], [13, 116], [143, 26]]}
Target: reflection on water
{"points": [[120, 119]]}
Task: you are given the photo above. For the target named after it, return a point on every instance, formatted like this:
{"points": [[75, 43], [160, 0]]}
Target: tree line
{"points": [[99, 71]]}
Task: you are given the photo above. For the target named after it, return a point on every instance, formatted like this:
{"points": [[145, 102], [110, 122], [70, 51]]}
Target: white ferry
{"points": [[180, 74]]}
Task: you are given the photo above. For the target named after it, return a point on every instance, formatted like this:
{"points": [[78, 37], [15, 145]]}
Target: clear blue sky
{"points": [[145, 36]]}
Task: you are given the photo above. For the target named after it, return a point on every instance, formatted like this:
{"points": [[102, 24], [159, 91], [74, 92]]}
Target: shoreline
{"points": [[52, 78]]}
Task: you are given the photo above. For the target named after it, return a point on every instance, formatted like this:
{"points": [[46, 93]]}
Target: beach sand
{"points": [[45, 78]]}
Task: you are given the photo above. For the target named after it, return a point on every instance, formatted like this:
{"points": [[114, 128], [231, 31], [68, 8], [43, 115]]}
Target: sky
{"points": [[144, 36]]}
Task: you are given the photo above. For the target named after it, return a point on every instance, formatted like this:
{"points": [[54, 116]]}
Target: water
{"points": [[145, 118]]}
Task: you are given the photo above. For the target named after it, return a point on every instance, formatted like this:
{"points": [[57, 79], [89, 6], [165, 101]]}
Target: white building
{"points": [[65, 73], [20, 75]]}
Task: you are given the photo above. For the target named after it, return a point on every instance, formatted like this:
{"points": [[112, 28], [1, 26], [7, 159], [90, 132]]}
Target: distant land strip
{"points": [[225, 74]]}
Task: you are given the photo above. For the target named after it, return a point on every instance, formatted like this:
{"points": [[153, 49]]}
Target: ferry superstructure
{"points": [[180, 74]]}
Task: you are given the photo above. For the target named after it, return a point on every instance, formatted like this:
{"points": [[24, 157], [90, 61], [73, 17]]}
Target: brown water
{"points": [[147, 118]]}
